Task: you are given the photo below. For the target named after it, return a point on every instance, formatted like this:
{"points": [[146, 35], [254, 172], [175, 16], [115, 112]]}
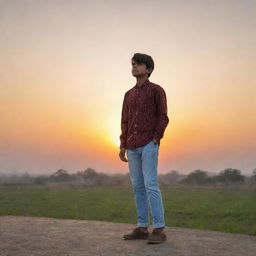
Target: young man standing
{"points": [[143, 122]]}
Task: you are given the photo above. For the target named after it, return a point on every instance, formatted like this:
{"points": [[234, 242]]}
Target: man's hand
{"points": [[122, 155]]}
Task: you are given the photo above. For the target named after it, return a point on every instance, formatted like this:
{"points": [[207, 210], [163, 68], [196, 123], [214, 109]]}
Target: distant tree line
{"points": [[90, 177], [227, 176]]}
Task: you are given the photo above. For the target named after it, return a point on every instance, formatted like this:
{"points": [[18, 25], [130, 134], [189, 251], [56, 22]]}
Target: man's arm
{"points": [[124, 123], [163, 119]]}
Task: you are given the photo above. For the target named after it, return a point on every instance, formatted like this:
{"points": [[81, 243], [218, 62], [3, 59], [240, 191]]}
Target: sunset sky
{"points": [[65, 67]]}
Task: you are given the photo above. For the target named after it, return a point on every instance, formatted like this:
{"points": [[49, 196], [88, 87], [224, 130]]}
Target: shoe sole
{"points": [[134, 238], [157, 242]]}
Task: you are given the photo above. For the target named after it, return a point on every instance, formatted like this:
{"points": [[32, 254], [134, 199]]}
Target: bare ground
{"points": [[36, 236]]}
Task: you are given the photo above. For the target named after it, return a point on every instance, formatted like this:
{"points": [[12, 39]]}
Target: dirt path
{"points": [[34, 236]]}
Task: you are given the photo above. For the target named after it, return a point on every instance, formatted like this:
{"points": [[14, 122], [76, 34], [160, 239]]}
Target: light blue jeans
{"points": [[142, 162]]}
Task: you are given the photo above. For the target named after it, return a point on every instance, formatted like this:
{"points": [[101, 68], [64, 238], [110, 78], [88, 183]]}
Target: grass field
{"points": [[232, 211]]}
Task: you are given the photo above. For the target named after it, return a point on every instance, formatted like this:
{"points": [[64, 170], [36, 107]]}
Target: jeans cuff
{"points": [[158, 225], [145, 225]]}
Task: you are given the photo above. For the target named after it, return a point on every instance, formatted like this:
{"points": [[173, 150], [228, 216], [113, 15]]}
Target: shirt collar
{"points": [[143, 85]]}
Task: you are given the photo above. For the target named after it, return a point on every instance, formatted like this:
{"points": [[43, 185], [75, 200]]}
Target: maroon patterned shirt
{"points": [[144, 115]]}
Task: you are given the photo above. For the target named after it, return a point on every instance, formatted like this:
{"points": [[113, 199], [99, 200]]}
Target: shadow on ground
{"points": [[24, 236]]}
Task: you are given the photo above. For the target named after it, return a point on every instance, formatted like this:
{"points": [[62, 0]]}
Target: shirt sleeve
{"points": [[163, 120], [124, 123]]}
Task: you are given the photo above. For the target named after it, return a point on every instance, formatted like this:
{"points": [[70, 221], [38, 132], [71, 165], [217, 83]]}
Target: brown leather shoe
{"points": [[157, 236], [137, 233]]}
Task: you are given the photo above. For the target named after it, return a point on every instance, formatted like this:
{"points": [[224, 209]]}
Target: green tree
{"points": [[254, 175], [230, 176], [196, 177], [60, 176]]}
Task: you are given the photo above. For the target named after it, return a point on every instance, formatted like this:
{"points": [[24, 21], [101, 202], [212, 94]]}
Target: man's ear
{"points": [[149, 70]]}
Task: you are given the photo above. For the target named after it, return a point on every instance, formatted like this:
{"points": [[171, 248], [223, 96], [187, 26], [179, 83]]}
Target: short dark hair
{"points": [[144, 58]]}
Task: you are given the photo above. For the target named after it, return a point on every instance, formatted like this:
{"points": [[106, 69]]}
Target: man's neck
{"points": [[141, 80]]}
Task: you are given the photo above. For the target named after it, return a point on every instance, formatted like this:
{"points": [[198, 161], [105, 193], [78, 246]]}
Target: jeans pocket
{"points": [[154, 142]]}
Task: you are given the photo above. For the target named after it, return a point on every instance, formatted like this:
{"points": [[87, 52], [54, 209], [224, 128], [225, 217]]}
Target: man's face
{"points": [[139, 69]]}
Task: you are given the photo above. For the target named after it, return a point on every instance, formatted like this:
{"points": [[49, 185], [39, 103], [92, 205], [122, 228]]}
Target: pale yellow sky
{"points": [[65, 66]]}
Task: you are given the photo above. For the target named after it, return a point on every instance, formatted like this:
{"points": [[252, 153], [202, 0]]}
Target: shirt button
{"points": [[135, 125], [136, 113]]}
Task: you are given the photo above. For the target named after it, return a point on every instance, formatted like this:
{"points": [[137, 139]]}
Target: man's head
{"points": [[142, 64]]}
